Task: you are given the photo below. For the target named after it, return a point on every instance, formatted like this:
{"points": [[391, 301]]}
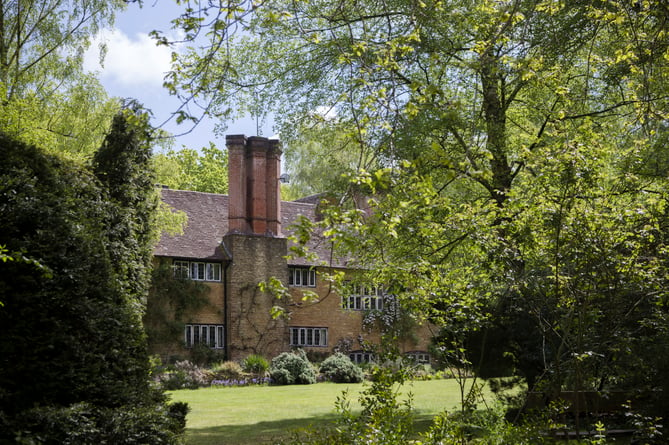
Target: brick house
{"points": [[232, 243]]}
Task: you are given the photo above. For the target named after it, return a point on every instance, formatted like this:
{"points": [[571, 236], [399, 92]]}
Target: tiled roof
{"points": [[208, 223]]}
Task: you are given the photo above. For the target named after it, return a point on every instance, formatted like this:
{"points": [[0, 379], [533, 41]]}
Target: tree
{"points": [[41, 43], [46, 97], [510, 136], [322, 156], [123, 166], [74, 361], [187, 169]]}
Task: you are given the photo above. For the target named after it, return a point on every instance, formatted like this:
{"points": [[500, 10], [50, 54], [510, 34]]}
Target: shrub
{"points": [[83, 423], [382, 419], [227, 370], [317, 356], [203, 355], [185, 375], [255, 364], [339, 368], [291, 368], [80, 244]]}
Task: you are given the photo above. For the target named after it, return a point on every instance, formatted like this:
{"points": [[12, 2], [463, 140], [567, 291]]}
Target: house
{"points": [[232, 243]]}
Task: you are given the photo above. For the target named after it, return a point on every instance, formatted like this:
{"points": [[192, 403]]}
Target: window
{"points": [[197, 270], [213, 272], [308, 336], [419, 357], [181, 269], [363, 298], [361, 357], [301, 277], [211, 335]]}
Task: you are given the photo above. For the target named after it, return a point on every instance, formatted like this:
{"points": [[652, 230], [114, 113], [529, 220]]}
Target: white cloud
{"points": [[327, 113], [129, 61]]}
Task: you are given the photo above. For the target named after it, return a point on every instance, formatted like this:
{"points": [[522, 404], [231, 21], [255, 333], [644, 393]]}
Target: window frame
{"points": [[307, 336], [419, 357], [181, 269], [360, 357], [197, 270], [211, 335], [301, 276], [363, 298]]}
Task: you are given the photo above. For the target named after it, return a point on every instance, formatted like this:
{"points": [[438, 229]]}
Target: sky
{"points": [[134, 67]]}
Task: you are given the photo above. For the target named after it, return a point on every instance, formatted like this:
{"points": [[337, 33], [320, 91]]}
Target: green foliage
{"points": [[45, 39], [187, 169], [122, 165], [56, 213], [321, 153], [486, 427], [291, 368], [71, 123], [255, 364], [228, 370], [383, 419], [511, 184], [47, 99], [84, 423], [169, 220], [204, 355], [170, 302], [75, 336], [339, 368]]}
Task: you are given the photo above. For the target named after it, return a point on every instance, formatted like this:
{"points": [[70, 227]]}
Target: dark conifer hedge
{"points": [[72, 286]]}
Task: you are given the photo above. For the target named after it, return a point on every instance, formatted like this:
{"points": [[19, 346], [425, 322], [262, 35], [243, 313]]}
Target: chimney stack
{"points": [[254, 166]]}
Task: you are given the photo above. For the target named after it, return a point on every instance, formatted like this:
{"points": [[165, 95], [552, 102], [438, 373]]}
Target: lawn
{"points": [[261, 414]]}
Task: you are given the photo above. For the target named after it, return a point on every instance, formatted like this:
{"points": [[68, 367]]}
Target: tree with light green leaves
{"points": [[519, 185], [46, 98], [188, 169]]}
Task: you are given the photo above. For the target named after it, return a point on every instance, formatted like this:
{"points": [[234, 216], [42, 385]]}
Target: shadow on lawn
{"points": [[271, 432], [253, 433]]}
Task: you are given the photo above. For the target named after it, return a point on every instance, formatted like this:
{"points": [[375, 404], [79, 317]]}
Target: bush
{"points": [[185, 375], [83, 423], [255, 364], [291, 368], [203, 355], [339, 368], [227, 370], [382, 419]]}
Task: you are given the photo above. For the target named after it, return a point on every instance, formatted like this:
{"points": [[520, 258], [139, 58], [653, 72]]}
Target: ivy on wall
{"points": [[171, 301]]}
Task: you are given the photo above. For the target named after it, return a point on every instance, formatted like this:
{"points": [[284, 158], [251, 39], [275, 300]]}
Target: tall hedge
{"points": [[70, 320]]}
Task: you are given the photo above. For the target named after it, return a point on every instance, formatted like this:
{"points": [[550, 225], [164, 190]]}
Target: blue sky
{"points": [[134, 67]]}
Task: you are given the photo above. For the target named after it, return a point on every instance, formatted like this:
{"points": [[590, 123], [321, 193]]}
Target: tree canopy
{"points": [[518, 175], [205, 170], [47, 99]]}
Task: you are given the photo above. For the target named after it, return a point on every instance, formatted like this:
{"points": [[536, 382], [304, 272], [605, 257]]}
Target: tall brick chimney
{"points": [[254, 165]]}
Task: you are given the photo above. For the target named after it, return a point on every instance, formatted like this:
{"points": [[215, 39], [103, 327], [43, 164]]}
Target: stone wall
{"points": [[345, 327], [249, 324]]}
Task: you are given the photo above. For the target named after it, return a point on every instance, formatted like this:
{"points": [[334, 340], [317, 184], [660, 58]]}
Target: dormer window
{"points": [[301, 277]]}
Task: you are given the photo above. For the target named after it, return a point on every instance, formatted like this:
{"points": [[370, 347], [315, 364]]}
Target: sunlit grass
{"points": [[262, 414]]}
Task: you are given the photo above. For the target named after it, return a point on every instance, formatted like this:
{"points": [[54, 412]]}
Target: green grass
{"points": [[262, 414]]}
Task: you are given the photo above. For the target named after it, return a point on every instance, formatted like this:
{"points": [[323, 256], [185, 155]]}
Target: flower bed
{"points": [[242, 382]]}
